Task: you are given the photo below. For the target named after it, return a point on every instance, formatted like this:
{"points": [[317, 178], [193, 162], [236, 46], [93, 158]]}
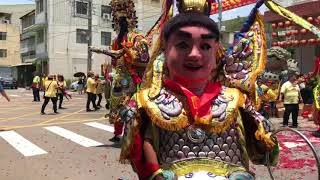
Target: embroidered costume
{"points": [[213, 135]]}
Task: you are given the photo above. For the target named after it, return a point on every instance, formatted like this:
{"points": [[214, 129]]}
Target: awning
{"points": [[22, 64]]}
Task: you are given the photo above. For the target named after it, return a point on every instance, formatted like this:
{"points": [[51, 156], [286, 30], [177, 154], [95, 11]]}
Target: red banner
{"points": [[230, 4]]}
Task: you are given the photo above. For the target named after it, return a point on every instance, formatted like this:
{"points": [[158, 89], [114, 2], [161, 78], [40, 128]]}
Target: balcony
{"points": [[27, 49], [41, 50], [41, 18]]}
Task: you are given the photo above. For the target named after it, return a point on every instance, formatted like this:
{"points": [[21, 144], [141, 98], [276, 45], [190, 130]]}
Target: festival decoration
{"points": [[312, 41], [287, 24], [288, 33], [303, 31], [295, 32], [303, 42], [230, 4], [274, 25], [280, 24], [310, 19]]}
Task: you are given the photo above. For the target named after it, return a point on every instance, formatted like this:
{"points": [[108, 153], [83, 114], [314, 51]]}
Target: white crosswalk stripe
{"points": [[86, 142], [100, 126], [21, 144], [14, 95]]}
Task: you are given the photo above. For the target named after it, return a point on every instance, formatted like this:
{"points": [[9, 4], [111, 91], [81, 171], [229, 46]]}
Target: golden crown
{"points": [[200, 6], [123, 8]]}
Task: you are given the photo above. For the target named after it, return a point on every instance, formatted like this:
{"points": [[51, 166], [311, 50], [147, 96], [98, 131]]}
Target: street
{"points": [[73, 145]]}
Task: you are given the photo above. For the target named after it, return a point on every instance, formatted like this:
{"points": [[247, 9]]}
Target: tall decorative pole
{"points": [[220, 13]]}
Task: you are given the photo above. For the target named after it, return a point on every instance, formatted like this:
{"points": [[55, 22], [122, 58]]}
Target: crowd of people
{"points": [[54, 89]]}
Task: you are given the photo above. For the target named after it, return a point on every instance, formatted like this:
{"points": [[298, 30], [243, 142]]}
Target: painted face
{"points": [[191, 54]]}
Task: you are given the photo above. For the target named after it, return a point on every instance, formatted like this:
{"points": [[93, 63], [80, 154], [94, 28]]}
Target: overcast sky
{"points": [[2, 2]]}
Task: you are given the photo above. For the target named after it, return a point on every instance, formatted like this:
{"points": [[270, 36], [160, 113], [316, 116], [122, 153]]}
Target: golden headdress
{"points": [[123, 8]]}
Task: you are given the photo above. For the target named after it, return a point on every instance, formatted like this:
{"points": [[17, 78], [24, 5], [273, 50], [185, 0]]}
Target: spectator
{"points": [[51, 87], [3, 93], [99, 89], [81, 85], [61, 88], [91, 88], [291, 92], [36, 87]]}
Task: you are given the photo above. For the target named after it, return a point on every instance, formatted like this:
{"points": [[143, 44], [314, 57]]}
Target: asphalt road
{"points": [[73, 145]]}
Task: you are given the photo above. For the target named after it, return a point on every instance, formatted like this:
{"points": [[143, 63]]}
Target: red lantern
{"points": [[295, 32], [303, 42], [274, 34], [303, 31], [288, 43], [275, 44], [312, 41], [287, 24], [295, 42], [274, 25], [288, 33], [280, 24], [310, 19], [318, 41]]}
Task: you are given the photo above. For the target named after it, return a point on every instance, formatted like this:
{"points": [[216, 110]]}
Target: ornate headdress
{"points": [[123, 8]]}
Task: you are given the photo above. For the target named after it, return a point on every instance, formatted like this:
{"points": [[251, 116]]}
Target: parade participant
{"points": [[290, 93], [185, 123], [36, 86], [3, 93], [51, 88], [91, 88], [316, 94], [272, 94], [129, 58], [61, 90], [99, 89]]}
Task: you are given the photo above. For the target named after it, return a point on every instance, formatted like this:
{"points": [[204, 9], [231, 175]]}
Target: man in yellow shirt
{"points": [[91, 89], [291, 92], [36, 87], [51, 87]]}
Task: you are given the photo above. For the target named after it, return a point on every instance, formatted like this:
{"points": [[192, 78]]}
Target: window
{"points": [[82, 36], [3, 53], [105, 10], [81, 8], [3, 35], [39, 6], [40, 36], [105, 38]]}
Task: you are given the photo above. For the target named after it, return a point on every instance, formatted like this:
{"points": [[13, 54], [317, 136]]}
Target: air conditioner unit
{"points": [[5, 21], [106, 16]]}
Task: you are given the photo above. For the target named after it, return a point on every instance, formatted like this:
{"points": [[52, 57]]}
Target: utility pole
{"points": [[220, 14], [89, 35]]}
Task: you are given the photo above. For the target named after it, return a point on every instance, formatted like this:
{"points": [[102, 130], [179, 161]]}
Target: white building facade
{"points": [[62, 28]]}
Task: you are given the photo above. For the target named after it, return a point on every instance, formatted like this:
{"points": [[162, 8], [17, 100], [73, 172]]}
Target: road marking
{"points": [[21, 144], [100, 126], [86, 142], [61, 117], [13, 95]]}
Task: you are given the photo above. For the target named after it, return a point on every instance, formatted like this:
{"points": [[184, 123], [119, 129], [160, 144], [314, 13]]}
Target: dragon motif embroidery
{"points": [[168, 104]]}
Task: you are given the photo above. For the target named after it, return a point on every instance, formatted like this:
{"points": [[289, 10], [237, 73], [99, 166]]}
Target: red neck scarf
{"points": [[200, 106]]}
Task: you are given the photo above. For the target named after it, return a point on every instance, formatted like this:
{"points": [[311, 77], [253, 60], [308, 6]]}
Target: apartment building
{"points": [[10, 37], [60, 34]]}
